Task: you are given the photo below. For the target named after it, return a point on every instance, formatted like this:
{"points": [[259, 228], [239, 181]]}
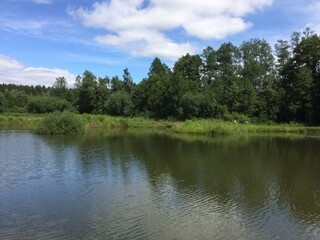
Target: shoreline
{"points": [[208, 127]]}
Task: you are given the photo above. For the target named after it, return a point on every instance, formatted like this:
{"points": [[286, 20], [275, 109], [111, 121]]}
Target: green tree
{"points": [[2, 102], [201, 105], [306, 65], [102, 94], [17, 100], [188, 68], [160, 69], [116, 84], [156, 68], [151, 96], [302, 93], [86, 88], [127, 81], [283, 67], [247, 98], [46, 104], [226, 88], [119, 104], [209, 67], [60, 88], [259, 71], [298, 71]]}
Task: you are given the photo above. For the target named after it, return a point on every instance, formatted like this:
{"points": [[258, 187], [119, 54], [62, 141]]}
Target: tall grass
{"points": [[109, 122], [19, 120], [219, 127], [208, 127]]}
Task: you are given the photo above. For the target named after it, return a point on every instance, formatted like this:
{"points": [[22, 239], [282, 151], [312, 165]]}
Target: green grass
{"points": [[19, 120], [219, 127], [209, 127], [109, 122]]}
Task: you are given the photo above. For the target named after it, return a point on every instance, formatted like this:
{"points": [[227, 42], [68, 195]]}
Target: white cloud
{"points": [[147, 43], [12, 71], [140, 26]]}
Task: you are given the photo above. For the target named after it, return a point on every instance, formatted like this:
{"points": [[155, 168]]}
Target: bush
{"points": [[45, 104], [238, 117], [119, 104], [2, 102], [60, 123], [190, 104], [16, 100]]}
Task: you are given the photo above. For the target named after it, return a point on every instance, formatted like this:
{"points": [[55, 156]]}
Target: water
{"points": [[124, 185]]}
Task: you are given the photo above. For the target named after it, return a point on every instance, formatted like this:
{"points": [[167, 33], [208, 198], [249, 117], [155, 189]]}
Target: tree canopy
{"points": [[251, 81]]}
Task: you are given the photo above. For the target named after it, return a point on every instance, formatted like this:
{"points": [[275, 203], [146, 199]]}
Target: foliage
{"points": [[151, 97], [188, 67], [194, 126], [60, 88], [102, 94], [19, 120], [16, 100], [116, 84], [86, 87], [127, 81], [201, 106], [60, 123], [2, 102], [299, 78], [119, 104], [230, 82], [45, 104], [236, 118]]}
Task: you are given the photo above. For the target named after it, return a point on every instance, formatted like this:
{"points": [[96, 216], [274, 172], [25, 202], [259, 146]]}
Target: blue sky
{"points": [[43, 39]]}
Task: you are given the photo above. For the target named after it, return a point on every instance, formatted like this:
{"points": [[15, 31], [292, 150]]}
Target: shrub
{"points": [[190, 104], [60, 123], [45, 104], [16, 100], [2, 102], [238, 117]]}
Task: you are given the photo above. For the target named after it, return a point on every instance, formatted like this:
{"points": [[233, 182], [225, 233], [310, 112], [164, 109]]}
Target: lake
{"points": [[135, 185]]}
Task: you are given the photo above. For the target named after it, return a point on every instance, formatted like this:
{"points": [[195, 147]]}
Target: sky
{"points": [[41, 40]]}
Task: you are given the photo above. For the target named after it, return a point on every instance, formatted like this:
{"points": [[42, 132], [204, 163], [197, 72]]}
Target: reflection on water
{"points": [[124, 185]]}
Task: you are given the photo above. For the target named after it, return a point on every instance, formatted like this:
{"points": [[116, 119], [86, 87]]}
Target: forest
{"points": [[251, 82]]}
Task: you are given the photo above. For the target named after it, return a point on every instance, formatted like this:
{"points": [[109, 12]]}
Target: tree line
{"points": [[251, 81]]}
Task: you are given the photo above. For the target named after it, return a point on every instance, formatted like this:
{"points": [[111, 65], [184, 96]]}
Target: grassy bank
{"points": [[209, 127], [19, 120], [218, 127]]}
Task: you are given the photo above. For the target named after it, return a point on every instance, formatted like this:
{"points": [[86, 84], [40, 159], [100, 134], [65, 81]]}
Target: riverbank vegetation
{"points": [[250, 88], [209, 127], [60, 123]]}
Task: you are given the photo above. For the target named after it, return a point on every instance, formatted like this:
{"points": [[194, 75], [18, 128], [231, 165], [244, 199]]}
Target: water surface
{"points": [[124, 185]]}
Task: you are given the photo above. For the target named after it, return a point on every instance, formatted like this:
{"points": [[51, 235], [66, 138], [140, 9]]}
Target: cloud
{"points": [[42, 1], [49, 29], [141, 26], [43, 27], [12, 71]]}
